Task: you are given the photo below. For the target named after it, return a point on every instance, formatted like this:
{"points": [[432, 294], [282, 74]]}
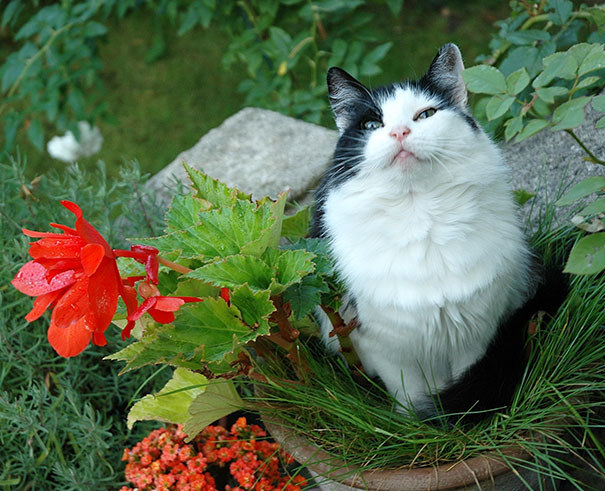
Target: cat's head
{"points": [[405, 125]]}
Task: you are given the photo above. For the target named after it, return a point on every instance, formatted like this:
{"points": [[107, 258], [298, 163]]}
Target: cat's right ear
{"points": [[345, 92]]}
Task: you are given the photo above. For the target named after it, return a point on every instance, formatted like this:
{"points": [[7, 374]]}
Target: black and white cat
{"points": [[423, 229]]}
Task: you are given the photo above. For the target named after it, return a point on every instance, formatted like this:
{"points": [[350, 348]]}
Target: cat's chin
{"points": [[404, 160]]}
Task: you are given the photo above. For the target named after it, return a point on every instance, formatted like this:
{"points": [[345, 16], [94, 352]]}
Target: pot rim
{"points": [[444, 476]]}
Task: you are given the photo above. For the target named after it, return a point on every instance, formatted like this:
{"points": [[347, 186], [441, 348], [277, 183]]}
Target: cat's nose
{"points": [[399, 132]]}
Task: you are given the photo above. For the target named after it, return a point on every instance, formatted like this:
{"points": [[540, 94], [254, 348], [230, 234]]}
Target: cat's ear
{"points": [[345, 93], [446, 73]]}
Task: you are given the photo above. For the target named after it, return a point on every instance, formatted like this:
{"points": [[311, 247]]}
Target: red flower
{"points": [[74, 273]]}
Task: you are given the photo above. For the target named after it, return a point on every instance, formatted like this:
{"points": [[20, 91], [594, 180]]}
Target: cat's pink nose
{"points": [[399, 132]]}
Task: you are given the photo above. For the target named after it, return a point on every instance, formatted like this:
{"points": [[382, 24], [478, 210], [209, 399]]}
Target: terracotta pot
{"points": [[483, 472]]}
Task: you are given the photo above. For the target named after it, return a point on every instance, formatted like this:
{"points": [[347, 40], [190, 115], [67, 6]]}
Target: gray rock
{"points": [[259, 151], [550, 162]]}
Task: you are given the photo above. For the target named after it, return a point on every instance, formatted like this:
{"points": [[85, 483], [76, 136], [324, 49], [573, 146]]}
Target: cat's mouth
{"points": [[404, 158]]}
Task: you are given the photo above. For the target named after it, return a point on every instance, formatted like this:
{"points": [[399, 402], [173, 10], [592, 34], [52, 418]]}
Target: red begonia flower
{"points": [[160, 308], [146, 255], [75, 274]]}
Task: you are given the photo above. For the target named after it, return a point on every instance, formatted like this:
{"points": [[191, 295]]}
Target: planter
{"points": [[482, 472]]}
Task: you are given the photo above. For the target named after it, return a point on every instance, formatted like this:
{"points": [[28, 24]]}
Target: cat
{"points": [[423, 229]]}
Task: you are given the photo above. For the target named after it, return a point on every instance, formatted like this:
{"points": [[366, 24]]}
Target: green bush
{"points": [[62, 419]]}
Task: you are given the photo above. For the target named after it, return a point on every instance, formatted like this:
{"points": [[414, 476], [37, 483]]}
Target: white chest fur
{"points": [[433, 261]]}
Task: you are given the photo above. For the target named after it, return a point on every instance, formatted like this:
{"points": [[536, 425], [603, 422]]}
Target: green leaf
{"points": [[35, 133], [513, 126], [255, 306], [319, 247], [562, 65], [210, 330], [219, 399], [184, 212], [517, 81], [498, 105], [289, 267], [594, 60], [562, 11], [170, 404], [297, 226], [582, 189], [548, 94], [276, 210], [369, 65], [533, 127], [484, 79], [597, 14], [598, 103], [570, 114], [394, 6], [587, 82], [94, 29], [233, 271], [189, 287], [597, 206], [306, 295], [528, 36], [588, 255], [600, 123], [213, 190], [522, 196]]}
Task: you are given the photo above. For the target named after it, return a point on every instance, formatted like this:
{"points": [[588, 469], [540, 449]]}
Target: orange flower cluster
{"points": [[163, 461]]}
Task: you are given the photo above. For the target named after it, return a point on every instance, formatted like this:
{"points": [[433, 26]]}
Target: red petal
{"points": [[169, 304], [161, 316], [145, 249], [144, 307], [35, 234], [65, 228], [69, 341], [151, 268], [64, 247], [131, 280], [31, 279], [91, 256], [103, 293], [85, 229], [41, 304], [225, 295], [126, 331], [72, 306], [98, 338]]}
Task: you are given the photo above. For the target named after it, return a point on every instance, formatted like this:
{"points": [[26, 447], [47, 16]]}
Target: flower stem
{"points": [[177, 267], [591, 156]]}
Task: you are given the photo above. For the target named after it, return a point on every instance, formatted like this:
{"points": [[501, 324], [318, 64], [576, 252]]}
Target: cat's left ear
{"points": [[345, 95], [446, 73]]}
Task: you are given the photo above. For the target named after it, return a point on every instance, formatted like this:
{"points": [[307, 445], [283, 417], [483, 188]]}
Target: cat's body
{"points": [[423, 229]]}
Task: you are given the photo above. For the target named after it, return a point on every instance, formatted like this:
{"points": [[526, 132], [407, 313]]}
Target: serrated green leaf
{"points": [[600, 123], [498, 105], [598, 103], [579, 51], [517, 81], [512, 127], [190, 287], [533, 127], [255, 307], [242, 228], [570, 114], [213, 190], [548, 94], [184, 212], [219, 399], [597, 206], [319, 247], [594, 60], [303, 297], [276, 210], [484, 79], [297, 226], [211, 329], [582, 189], [562, 65], [172, 402], [233, 271], [588, 255], [288, 266]]}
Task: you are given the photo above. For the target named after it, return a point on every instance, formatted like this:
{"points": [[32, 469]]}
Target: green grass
{"points": [[165, 107], [556, 416]]}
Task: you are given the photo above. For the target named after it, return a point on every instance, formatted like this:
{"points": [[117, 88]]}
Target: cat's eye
{"points": [[372, 125], [427, 113]]}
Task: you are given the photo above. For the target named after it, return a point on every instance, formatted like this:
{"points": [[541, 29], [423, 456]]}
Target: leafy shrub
{"points": [[544, 78], [285, 45]]}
